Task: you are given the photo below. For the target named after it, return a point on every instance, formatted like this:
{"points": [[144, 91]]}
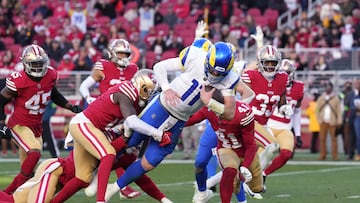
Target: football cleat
{"points": [[202, 197], [250, 193], [129, 193]]}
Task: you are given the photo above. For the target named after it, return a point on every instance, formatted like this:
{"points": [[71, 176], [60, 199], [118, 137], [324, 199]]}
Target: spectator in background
{"points": [[347, 34], [190, 136], [101, 42], [65, 67], [314, 126], [175, 43], [40, 36], [329, 115], [83, 62], [55, 52], [78, 15], [182, 10], [158, 17], [321, 64], [344, 130], [353, 101], [147, 19], [24, 36], [327, 11], [159, 45], [106, 8], [43, 9], [170, 17]]}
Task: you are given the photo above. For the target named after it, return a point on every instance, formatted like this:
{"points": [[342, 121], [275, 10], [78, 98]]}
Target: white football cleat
{"points": [[91, 190], [166, 200], [111, 190], [203, 196], [250, 193]]}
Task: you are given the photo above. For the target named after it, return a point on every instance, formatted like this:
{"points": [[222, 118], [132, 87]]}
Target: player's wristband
{"points": [[216, 106], [228, 92]]}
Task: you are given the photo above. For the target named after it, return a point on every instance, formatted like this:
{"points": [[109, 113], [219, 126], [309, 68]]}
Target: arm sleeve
{"points": [[138, 125], [249, 144], [297, 121], [162, 69], [197, 117], [58, 98], [85, 86]]}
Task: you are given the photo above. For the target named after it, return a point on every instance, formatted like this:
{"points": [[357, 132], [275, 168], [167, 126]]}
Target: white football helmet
{"points": [[288, 67], [268, 58], [35, 60], [120, 46], [145, 83]]}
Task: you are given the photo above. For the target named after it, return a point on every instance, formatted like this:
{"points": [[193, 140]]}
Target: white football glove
{"points": [[201, 29], [127, 131], [90, 100], [246, 173], [286, 110], [258, 37]]}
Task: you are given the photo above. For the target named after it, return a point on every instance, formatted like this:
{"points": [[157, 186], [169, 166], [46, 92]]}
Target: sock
{"points": [[18, 180], [133, 172], [26, 171], [267, 154], [104, 170], [279, 161], [226, 184], [201, 179], [6, 197], [68, 190], [148, 186], [119, 172], [118, 144], [211, 166], [214, 180], [240, 196]]}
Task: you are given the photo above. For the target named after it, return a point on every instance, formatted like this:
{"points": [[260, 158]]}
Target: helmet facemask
{"points": [[120, 52], [145, 84], [35, 61], [269, 61]]}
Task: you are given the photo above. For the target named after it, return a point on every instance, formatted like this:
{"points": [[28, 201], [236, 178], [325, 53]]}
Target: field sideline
{"points": [[301, 181]]}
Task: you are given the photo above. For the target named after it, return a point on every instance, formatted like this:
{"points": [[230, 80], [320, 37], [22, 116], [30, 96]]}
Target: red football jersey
{"points": [[293, 95], [104, 112], [237, 134], [268, 93], [113, 74], [32, 98]]}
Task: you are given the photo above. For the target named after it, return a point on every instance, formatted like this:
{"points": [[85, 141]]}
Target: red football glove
{"points": [[166, 139]]}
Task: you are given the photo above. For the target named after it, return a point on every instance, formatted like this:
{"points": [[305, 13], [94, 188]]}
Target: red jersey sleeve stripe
{"points": [[11, 85]]}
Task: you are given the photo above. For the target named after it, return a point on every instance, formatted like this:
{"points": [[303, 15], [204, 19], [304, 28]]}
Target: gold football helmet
{"points": [[288, 67], [268, 58], [145, 83], [35, 60], [120, 46]]}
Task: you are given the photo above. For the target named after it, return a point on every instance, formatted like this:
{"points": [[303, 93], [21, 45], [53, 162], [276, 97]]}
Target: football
{"points": [[217, 94]]}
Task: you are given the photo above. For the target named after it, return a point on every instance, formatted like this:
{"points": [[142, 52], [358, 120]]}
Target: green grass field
{"points": [[303, 180]]}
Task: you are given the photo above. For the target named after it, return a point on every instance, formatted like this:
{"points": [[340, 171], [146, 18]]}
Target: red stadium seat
{"points": [[162, 27], [151, 59], [254, 12], [168, 54], [8, 41]]}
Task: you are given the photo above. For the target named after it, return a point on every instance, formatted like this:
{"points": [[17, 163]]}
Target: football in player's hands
{"points": [[217, 95]]}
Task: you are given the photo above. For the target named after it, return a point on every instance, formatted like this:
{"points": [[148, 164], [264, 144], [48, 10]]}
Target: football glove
{"points": [[5, 132], [246, 174], [166, 139], [75, 108], [286, 110], [201, 29], [299, 141], [258, 37]]}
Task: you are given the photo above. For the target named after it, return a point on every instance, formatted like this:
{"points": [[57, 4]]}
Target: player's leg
{"points": [[30, 147], [207, 142], [96, 143], [266, 141], [286, 142], [230, 162], [43, 185]]}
